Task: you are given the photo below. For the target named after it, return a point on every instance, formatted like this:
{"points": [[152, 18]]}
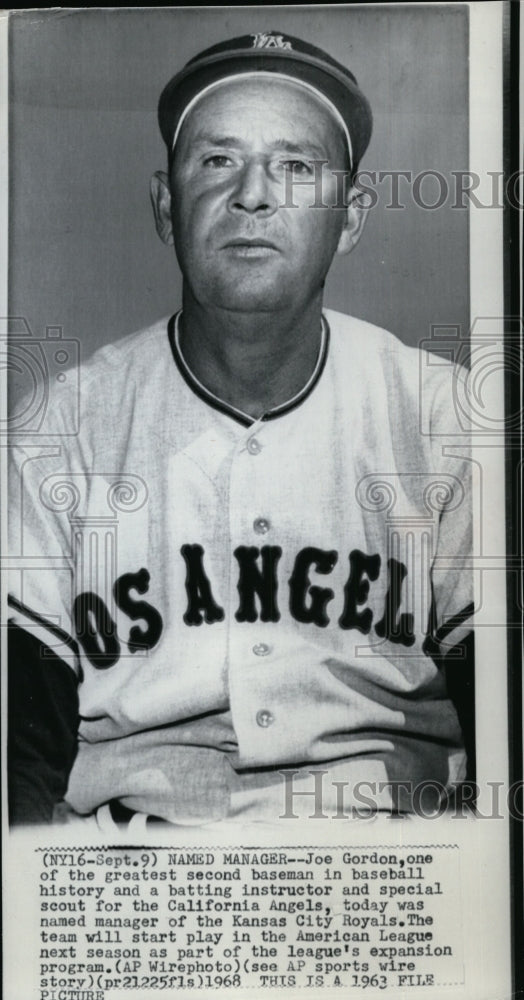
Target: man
{"points": [[247, 566]]}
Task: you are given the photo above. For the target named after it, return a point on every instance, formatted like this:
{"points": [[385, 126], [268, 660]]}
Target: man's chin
{"points": [[253, 304], [251, 300]]}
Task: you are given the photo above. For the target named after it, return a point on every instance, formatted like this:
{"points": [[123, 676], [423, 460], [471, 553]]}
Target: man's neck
{"points": [[254, 361]]}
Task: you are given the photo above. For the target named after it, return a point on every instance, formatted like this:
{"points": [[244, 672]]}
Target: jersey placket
{"points": [[253, 646]]}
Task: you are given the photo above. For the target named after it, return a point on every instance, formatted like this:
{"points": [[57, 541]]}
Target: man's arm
{"points": [[460, 679], [42, 727]]}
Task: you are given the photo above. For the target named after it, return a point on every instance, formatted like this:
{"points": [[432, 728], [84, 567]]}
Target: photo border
{"points": [[513, 398], [512, 458]]}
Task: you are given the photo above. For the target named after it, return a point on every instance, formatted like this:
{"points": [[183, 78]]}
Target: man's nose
{"points": [[254, 192]]}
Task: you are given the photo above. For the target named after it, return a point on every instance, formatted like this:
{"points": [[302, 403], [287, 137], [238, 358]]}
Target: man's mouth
{"points": [[254, 246]]}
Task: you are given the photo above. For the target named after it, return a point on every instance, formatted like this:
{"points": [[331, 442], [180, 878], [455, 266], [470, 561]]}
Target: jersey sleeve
{"points": [[450, 640], [453, 494], [43, 658], [40, 548]]}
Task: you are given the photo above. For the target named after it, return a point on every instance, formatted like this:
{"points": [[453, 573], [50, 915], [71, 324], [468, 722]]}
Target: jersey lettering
{"points": [[96, 630], [139, 638], [300, 586], [258, 590], [363, 568], [198, 589], [260, 582], [390, 627]]}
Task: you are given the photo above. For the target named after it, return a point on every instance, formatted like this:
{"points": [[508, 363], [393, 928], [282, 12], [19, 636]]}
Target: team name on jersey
{"points": [[260, 596]]}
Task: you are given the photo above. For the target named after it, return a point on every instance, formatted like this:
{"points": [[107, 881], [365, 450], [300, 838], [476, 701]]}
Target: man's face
{"points": [[237, 246]]}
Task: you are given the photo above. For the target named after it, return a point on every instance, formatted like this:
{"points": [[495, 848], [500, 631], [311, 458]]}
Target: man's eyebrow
{"points": [[216, 140], [301, 148]]}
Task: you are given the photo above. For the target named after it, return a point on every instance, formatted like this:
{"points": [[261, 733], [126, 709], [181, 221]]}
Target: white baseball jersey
{"points": [[239, 596]]}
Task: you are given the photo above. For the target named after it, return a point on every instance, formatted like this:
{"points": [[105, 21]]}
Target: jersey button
{"points": [[261, 525], [261, 649], [265, 718], [254, 446]]}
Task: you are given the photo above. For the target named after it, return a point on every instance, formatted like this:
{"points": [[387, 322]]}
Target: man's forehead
{"points": [[275, 91], [282, 110]]}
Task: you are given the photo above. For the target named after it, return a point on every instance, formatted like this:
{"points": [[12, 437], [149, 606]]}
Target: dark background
{"points": [[84, 142]]}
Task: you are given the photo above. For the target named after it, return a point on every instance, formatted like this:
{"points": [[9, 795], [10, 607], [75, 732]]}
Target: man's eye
{"points": [[217, 161], [296, 166]]}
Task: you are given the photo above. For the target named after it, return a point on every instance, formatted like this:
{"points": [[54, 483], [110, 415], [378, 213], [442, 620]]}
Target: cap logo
{"points": [[262, 40]]}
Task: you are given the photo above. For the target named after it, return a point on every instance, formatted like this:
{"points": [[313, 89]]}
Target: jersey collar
{"points": [[209, 397]]}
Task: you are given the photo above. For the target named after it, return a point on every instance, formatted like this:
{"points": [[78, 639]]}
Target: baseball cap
{"points": [[275, 55]]}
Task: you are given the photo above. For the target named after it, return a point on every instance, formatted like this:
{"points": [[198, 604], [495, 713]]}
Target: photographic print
{"points": [[258, 351]]}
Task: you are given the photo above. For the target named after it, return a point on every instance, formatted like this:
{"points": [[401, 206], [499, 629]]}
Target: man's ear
{"points": [[161, 201], [356, 215]]}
